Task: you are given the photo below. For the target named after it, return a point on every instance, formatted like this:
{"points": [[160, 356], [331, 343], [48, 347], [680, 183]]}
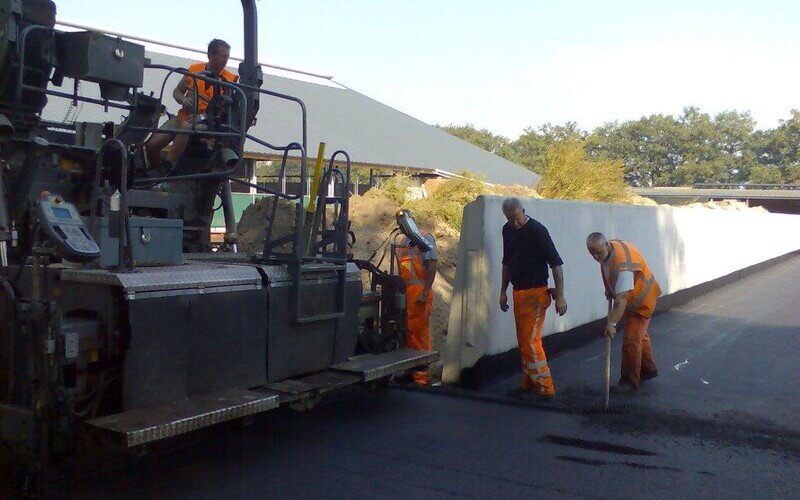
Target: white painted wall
{"points": [[683, 246]]}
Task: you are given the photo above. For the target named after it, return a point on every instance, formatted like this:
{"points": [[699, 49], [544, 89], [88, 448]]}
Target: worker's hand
{"points": [[610, 331], [609, 295], [189, 101], [561, 305], [503, 302], [422, 297]]}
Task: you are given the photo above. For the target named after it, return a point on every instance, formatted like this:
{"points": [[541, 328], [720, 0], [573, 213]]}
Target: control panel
{"points": [[65, 229]]}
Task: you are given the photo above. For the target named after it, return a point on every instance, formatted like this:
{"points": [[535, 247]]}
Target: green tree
{"points": [[649, 148], [482, 138], [761, 174], [530, 149], [692, 172], [791, 173], [780, 147], [694, 147], [736, 142]]}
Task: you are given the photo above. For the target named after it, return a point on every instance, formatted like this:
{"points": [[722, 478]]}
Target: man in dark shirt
{"points": [[527, 251]]}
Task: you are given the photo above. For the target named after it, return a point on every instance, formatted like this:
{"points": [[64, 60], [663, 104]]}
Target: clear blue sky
{"points": [[507, 65]]}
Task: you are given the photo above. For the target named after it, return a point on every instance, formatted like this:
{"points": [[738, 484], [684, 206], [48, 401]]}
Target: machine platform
{"points": [[145, 425], [374, 366]]}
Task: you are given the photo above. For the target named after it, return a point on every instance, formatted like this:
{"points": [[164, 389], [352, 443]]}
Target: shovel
{"points": [[608, 361]]}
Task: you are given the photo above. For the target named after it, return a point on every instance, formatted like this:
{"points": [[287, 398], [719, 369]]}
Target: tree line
{"points": [[665, 150]]}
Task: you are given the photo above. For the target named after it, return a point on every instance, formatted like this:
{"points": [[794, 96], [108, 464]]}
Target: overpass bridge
{"points": [[777, 198]]}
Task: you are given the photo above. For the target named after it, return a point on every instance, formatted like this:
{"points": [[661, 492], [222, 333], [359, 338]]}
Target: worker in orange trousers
{"points": [[417, 268], [528, 249], [630, 283]]}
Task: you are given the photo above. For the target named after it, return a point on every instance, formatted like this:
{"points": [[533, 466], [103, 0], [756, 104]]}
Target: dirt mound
{"points": [[726, 205], [372, 219], [642, 201], [252, 226], [431, 185]]}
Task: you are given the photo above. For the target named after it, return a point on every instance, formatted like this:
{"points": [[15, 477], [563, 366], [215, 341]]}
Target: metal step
{"points": [[314, 385], [145, 425], [374, 366]]}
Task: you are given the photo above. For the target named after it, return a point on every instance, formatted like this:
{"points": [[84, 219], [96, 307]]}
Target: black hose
{"points": [[25, 257], [9, 289]]}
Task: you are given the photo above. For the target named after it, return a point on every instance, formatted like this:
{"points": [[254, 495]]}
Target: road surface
{"points": [[720, 421]]}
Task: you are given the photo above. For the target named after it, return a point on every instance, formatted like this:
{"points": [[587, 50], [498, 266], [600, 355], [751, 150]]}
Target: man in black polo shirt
{"points": [[527, 251]]}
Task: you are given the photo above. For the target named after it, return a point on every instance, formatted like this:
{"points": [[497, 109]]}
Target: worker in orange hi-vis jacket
{"points": [[630, 283], [528, 249], [194, 103], [417, 268]]}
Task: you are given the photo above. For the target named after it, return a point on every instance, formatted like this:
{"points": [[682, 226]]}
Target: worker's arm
{"points": [[620, 303], [180, 91], [561, 302], [544, 244], [430, 275], [503, 288]]}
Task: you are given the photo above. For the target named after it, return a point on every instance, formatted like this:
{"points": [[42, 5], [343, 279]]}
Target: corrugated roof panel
{"points": [[371, 132]]}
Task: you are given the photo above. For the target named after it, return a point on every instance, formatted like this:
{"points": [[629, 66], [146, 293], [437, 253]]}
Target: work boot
{"points": [[401, 380], [649, 376], [623, 387]]}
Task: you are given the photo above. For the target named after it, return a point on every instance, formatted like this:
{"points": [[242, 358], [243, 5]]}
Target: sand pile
{"points": [[725, 205], [642, 201], [253, 224]]}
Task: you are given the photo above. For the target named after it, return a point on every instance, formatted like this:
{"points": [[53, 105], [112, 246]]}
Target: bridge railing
{"points": [[746, 186]]}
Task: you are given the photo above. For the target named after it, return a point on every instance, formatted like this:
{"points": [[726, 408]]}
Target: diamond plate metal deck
{"points": [[145, 425], [374, 366], [292, 390]]}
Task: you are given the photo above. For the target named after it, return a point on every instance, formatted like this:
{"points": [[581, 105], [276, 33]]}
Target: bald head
{"points": [[515, 214], [597, 245]]}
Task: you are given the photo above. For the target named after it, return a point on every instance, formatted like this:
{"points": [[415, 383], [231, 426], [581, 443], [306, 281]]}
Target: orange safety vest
{"points": [[626, 257], [204, 88], [409, 262]]}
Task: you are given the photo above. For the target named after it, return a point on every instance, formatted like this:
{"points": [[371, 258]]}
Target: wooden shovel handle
{"points": [[608, 360]]}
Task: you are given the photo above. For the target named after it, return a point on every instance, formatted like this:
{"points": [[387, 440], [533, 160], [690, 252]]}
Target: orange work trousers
{"points": [[637, 355], [529, 309], [418, 322]]}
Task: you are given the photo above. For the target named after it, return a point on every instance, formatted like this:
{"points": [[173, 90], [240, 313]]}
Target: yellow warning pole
{"points": [[312, 201]]}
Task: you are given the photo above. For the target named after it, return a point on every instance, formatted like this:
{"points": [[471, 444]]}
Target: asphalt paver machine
{"points": [[119, 327]]}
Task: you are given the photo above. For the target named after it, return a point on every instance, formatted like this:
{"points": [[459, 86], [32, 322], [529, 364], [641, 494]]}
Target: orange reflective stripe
{"points": [[530, 307], [648, 284], [629, 264]]}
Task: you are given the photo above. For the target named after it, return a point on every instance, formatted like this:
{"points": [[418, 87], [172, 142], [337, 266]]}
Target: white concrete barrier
{"points": [[684, 247]]}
